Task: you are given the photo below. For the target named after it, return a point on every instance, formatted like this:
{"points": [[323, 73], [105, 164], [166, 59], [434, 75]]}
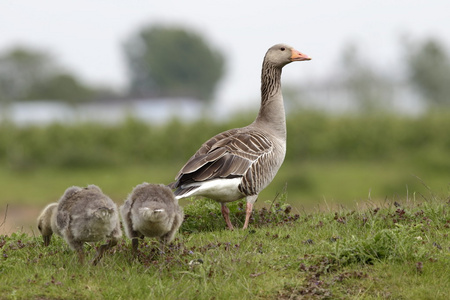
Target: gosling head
{"points": [[45, 222]]}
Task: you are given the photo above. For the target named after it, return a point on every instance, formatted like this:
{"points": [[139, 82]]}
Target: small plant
{"points": [[205, 214], [388, 244], [398, 233]]}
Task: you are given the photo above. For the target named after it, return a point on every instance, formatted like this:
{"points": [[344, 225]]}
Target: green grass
{"points": [[348, 182], [310, 183], [399, 251], [45, 185]]}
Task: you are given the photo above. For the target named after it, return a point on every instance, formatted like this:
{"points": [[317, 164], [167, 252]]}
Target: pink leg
{"points": [[248, 213], [226, 216]]}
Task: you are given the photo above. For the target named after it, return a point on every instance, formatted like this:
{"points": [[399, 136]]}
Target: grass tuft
{"points": [[203, 214]]}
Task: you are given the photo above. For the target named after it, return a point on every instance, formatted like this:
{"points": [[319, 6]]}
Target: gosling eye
{"points": [[282, 48]]}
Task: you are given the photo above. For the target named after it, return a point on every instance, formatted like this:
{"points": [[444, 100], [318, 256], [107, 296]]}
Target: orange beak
{"points": [[298, 56]]}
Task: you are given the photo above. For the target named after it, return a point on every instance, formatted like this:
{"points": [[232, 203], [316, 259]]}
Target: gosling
{"points": [[151, 210], [82, 215], [47, 223]]}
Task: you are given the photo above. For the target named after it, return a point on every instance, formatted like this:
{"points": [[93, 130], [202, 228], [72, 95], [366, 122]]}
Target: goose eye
{"points": [[282, 48]]}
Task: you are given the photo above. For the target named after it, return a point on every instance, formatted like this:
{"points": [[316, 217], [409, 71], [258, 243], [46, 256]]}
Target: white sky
{"points": [[87, 35]]}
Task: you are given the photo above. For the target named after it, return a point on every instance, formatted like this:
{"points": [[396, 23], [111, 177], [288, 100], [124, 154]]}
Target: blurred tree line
{"points": [[429, 71], [170, 62], [427, 66], [162, 62], [30, 74]]}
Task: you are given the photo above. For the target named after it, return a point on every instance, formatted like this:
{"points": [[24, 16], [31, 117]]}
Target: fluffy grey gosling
{"points": [[82, 215], [151, 210]]}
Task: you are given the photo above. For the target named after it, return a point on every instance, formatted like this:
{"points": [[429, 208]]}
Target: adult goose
{"points": [[241, 162]]}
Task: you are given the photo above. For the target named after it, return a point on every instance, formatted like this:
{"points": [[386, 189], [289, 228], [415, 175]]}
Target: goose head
{"points": [[281, 54]]}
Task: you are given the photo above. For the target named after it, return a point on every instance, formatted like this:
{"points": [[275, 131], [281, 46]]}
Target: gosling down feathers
{"points": [[151, 210], [241, 162], [82, 215]]}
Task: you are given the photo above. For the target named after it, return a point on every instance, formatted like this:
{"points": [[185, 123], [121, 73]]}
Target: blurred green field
{"points": [[309, 185], [331, 161]]}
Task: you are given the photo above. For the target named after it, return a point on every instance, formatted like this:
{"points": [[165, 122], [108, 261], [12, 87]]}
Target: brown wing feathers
{"points": [[228, 155]]}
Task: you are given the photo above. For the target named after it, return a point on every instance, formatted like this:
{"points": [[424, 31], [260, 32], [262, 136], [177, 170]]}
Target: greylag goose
{"points": [[151, 210], [82, 215], [241, 162]]}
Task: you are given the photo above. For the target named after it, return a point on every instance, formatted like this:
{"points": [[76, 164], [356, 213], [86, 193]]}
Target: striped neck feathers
{"points": [[271, 112]]}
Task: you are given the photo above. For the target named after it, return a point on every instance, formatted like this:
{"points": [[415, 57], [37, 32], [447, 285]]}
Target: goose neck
{"points": [[271, 113]]}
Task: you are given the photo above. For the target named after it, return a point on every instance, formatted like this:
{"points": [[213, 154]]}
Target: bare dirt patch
{"points": [[15, 218]]}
